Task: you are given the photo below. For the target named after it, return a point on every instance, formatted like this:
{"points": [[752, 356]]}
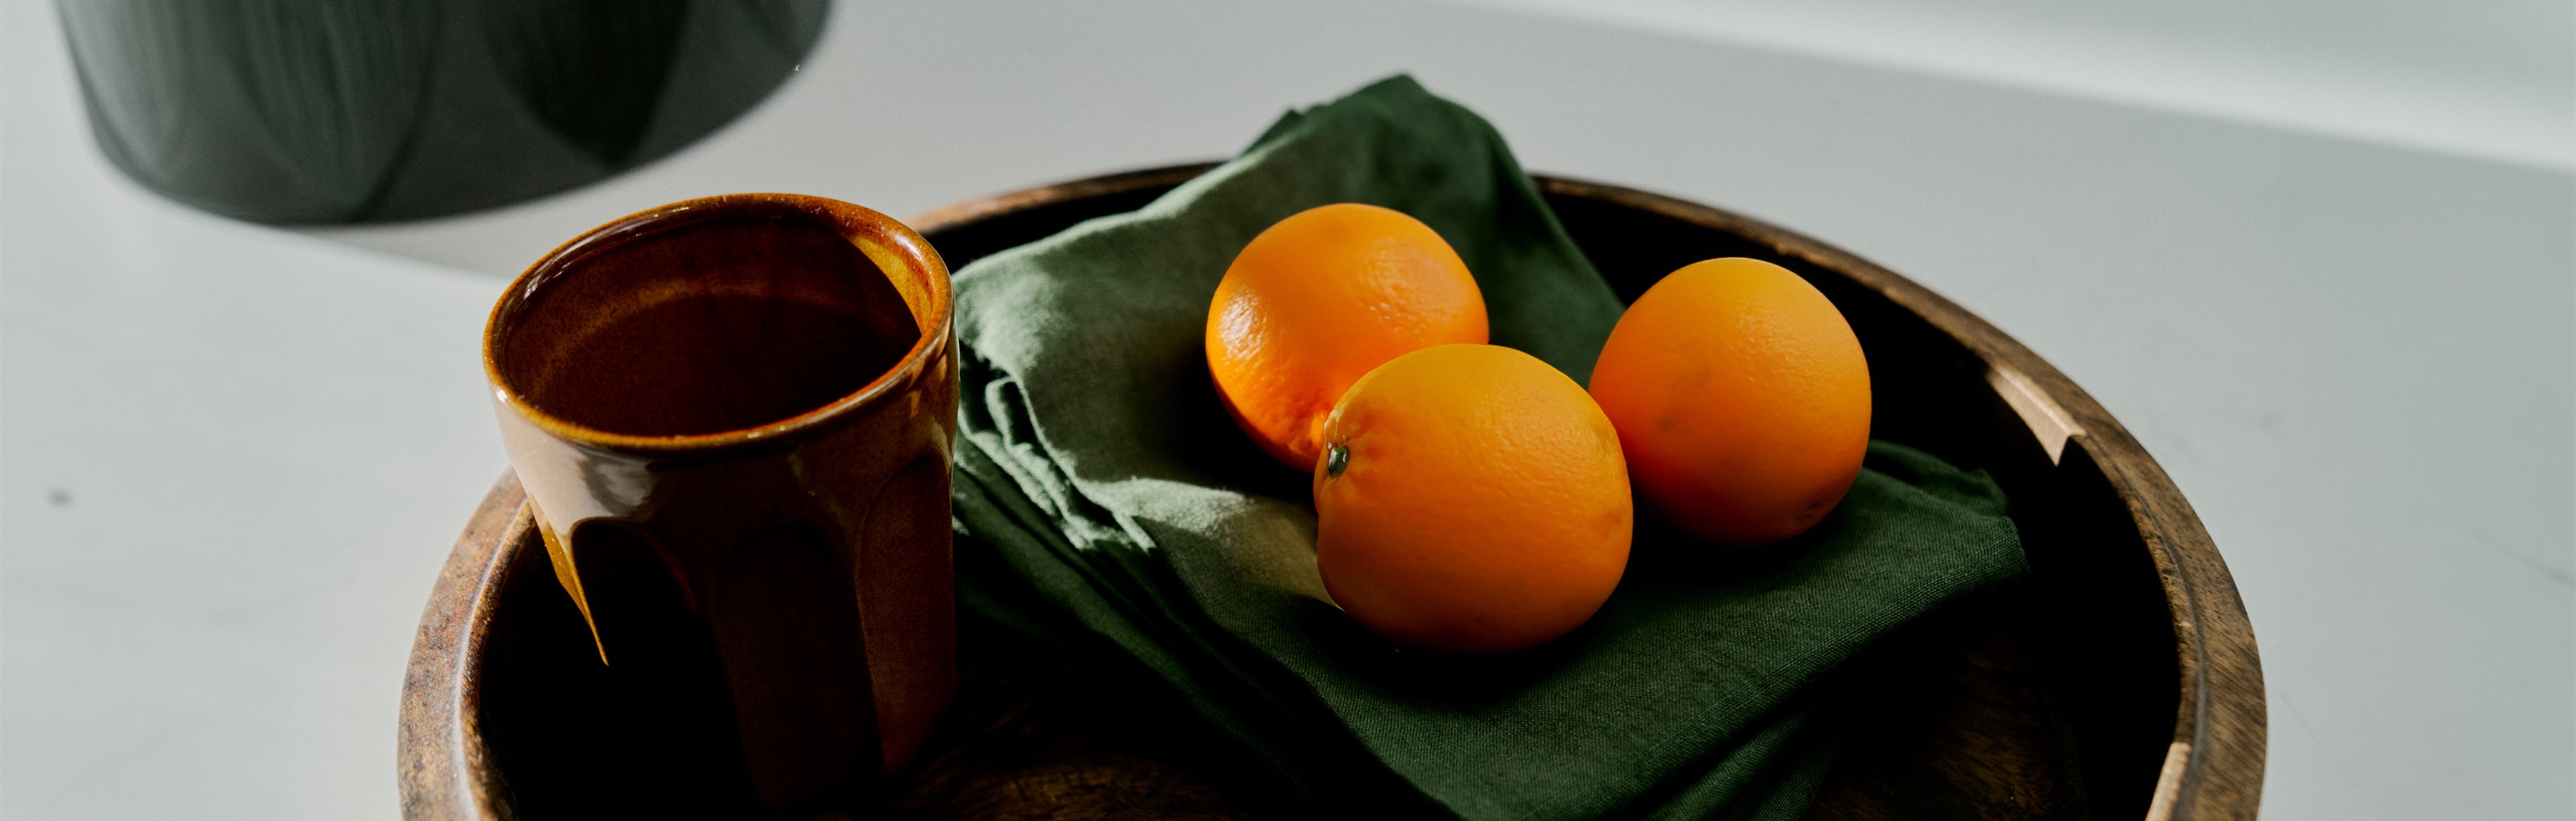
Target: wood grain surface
{"points": [[2119, 681]]}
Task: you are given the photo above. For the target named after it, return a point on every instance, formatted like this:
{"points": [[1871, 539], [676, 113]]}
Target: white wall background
{"points": [[2486, 78]]}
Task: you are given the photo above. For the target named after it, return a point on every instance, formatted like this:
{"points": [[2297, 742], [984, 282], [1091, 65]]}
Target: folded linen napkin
{"points": [[1107, 504]]}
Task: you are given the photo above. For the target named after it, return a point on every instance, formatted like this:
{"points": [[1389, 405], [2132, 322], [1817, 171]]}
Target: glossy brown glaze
{"points": [[731, 417], [724, 324], [2119, 682]]}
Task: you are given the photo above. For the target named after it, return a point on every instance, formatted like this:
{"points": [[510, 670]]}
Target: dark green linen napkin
{"points": [[1108, 506]]}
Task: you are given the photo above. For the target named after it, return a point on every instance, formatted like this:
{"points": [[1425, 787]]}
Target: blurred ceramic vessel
{"points": [[338, 111]]}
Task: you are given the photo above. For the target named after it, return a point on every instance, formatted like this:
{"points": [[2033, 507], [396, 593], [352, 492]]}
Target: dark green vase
{"points": [[334, 111]]}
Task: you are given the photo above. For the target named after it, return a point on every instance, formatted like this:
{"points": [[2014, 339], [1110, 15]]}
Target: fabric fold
{"points": [[1104, 499]]}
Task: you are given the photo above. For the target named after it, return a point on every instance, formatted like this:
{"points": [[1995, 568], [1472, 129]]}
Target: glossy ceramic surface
{"points": [[776, 573]]}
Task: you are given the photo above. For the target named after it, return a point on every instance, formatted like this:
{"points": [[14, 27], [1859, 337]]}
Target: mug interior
{"points": [[718, 317]]}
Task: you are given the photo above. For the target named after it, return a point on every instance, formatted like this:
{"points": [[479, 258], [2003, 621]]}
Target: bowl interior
{"points": [[2055, 697]]}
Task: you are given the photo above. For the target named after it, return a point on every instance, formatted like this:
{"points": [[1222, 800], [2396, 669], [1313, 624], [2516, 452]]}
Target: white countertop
{"points": [[232, 457]]}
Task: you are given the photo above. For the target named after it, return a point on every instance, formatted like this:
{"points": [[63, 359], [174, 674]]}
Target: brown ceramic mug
{"points": [[734, 417]]}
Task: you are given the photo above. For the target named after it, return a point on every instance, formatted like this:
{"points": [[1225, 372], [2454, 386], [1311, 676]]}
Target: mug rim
{"points": [[858, 224]]}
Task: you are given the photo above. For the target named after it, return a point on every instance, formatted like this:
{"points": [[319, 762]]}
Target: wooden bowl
{"points": [[2118, 681]]}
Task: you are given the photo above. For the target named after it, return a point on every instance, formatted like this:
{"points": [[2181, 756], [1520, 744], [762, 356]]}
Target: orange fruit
{"points": [[1316, 301], [1741, 398], [1472, 499]]}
